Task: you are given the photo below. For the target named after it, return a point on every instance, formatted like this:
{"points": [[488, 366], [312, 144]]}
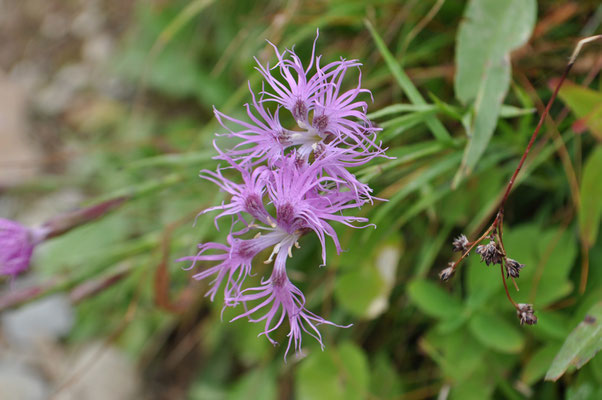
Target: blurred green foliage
{"points": [[412, 337]]}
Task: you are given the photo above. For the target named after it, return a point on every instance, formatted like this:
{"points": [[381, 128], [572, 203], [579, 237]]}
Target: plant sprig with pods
{"points": [[494, 252]]}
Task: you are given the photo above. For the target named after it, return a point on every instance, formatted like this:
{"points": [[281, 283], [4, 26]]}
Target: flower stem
{"points": [[506, 286], [545, 114]]}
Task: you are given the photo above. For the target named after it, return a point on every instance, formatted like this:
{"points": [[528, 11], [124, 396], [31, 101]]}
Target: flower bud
{"points": [[16, 246]]}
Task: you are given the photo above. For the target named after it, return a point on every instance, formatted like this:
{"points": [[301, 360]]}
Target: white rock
{"points": [[17, 382], [44, 320], [101, 373]]}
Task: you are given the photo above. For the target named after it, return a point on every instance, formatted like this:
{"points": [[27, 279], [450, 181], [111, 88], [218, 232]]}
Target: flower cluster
{"points": [[295, 181]]}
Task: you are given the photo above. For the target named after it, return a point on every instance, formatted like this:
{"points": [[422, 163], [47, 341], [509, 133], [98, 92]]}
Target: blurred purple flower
{"points": [[16, 246], [294, 182]]}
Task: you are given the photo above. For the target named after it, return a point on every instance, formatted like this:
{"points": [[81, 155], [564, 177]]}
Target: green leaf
{"points": [[548, 255], [399, 109], [586, 104], [439, 131], [551, 325], [496, 333], [403, 155], [479, 386], [357, 290], [590, 210], [396, 126], [482, 282], [580, 346], [384, 379], [490, 31], [420, 178], [335, 374], [365, 290], [259, 383], [507, 111], [538, 364], [433, 301], [457, 360]]}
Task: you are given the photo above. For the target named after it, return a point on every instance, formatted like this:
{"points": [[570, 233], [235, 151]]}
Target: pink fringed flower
{"points": [[295, 180], [16, 247]]}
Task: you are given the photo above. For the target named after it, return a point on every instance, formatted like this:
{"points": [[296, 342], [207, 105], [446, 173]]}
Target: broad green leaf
{"points": [[551, 325], [384, 379], [584, 387], [357, 290], [490, 31], [596, 368], [479, 386], [457, 355], [259, 383], [581, 344], [539, 363], [496, 333], [548, 255], [584, 390], [249, 349], [586, 104], [482, 281], [462, 359], [590, 210], [559, 249], [335, 374], [365, 290], [433, 300], [549, 290]]}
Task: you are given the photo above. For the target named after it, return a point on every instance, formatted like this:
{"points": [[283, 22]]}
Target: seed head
{"points": [[513, 267], [490, 253], [461, 244], [525, 314], [447, 272]]}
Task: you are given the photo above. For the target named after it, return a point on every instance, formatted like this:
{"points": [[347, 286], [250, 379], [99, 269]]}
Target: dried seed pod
{"points": [[447, 272], [525, 314], [461, 244], [513, 267], [490, 253]]}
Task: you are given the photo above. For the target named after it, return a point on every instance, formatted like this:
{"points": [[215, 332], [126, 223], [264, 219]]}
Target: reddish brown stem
{"points": [[506, 286], [534, 136]]}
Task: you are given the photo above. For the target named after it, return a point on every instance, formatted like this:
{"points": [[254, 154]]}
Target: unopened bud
{"points": [[16, 246]]}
